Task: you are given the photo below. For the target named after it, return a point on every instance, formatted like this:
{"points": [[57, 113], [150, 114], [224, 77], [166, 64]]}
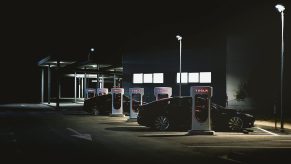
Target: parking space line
{"points": [[274, 134]]}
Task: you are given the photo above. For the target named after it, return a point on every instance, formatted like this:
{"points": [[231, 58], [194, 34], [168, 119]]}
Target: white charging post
{"points": [[162, 92], [102, 91], [136, 98], [117, 102], [201, 120]]}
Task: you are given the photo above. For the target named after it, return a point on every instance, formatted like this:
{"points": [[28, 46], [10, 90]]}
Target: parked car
{"points": [[176, 113], [103, 105]]}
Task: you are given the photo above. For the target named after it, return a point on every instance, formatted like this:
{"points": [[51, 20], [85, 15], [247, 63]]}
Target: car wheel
{"points": [[161, 123], [235, 124]]}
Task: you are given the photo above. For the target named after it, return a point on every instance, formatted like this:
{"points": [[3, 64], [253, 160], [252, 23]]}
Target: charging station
{"points": [[90, 92], [117, 102], [201, 120], [162, 92], [102, 91], [136, 99]]}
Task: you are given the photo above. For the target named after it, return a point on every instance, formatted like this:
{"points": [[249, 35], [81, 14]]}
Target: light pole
{"points": [[85, 75], [281, 9], [180, 40], [92, 50]]}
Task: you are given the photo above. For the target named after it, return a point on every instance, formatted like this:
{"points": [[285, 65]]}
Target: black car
{"points": [[176, 113], [103, 104]]}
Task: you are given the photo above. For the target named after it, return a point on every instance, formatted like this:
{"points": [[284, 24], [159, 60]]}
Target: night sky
{"points": [[30, 32]]}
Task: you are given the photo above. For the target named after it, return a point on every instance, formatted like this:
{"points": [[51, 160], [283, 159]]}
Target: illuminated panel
{"points": [[158, 78], [137, 78], [193, 77], [184, 76], [205, 77], [102, 91], [202, 91], [148, 78]]}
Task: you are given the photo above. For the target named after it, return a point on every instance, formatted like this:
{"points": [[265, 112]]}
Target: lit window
{"points": [[158, 78], [148, 78], [193, 77], [205, 77], [137, 78], [184, 77]]}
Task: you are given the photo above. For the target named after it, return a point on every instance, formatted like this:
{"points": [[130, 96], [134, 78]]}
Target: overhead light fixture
{"points": [[280, 7], [179, 37]]}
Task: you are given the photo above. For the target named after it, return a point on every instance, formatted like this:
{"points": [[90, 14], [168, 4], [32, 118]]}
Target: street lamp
{"points": [[281, 9], [92, 50], [180, 40]]}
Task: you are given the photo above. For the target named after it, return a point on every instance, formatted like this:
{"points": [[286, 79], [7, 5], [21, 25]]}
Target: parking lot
{"points": [[46, 135], [257, 144]]}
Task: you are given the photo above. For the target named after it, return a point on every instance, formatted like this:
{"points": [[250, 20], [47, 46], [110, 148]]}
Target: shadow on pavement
{"points": [[166, 135], [76, 113], [130, 129], [113, 123], [146, 129]]}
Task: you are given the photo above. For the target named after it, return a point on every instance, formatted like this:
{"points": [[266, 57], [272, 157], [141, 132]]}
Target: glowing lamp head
{"points": [[92, 50], [179, 37], [280, 8]]}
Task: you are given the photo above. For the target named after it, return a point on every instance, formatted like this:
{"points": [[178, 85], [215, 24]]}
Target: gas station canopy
{"points": [[88, 66], [84, 74]]}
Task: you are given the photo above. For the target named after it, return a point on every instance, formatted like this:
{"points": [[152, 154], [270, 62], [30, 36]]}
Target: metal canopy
{"points": [[89, 66], [52, 62], [81, 71]]}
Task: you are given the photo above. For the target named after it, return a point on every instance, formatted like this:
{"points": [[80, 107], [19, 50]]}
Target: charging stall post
{"points": [[90, 92], [117, 102], [136, 99], [162, 92], [201, 120], [102, 91]]}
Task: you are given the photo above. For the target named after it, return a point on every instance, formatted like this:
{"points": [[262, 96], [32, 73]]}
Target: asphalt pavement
{"points": [[42, 135]]}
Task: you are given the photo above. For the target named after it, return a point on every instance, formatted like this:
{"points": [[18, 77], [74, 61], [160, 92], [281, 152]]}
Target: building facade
{"points": [[203, 64]]}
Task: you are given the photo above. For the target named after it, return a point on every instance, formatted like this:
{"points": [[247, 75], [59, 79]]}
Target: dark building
{"points": [[203, 63]]}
